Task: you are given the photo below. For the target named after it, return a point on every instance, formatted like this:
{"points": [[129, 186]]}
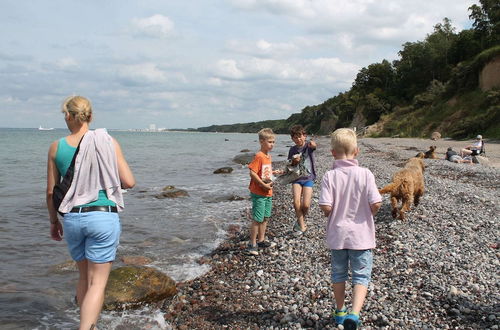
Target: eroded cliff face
{"points": [[489, 77]]}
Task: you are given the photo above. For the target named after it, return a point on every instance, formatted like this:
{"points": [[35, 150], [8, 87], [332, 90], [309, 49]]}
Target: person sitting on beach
{"points": [[302, 188], [91, 222], [454, 157], [473, 149], [261, 191], [349, 198]]}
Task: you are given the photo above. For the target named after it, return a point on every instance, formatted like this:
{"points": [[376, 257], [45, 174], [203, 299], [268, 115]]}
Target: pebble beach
{"points": [[438, 269]]}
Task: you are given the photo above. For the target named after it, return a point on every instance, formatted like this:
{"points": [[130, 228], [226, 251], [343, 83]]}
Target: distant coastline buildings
{"points": [[150, 128], [153, 128]]}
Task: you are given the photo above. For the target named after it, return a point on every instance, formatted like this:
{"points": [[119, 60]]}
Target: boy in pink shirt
{"points": [[349, 198]]}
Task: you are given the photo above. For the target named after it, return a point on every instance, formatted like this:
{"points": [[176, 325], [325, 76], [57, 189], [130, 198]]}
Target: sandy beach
{"points": [[436, 270]]}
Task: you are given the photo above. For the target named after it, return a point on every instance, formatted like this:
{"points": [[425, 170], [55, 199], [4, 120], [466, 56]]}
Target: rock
{"points": [[172, 192], [223, 170], [135, 260], [245, 150], [65, 267], [233, 229], [453, 291], [133, 286], [223, 198], [482, 160], [244, 158], [435, 136]]}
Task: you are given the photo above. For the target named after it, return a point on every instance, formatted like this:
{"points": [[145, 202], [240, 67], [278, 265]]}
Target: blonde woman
{"points": [[90, 207]]}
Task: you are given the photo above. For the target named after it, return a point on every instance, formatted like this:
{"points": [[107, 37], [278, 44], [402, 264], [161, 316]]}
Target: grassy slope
{"points": [[463, 116]]}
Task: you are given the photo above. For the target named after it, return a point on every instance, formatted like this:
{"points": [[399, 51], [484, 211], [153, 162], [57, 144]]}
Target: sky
{"points": [[195, 63]]}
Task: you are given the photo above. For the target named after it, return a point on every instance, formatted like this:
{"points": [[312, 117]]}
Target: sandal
{"points": [[352, 321], [340, 315], [296, 229]]}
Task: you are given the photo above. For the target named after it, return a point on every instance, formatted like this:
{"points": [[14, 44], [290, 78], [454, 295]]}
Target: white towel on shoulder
{"points": [[96, 168]]}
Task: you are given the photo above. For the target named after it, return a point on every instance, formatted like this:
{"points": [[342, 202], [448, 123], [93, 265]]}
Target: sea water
{"points": [[37, 293]]}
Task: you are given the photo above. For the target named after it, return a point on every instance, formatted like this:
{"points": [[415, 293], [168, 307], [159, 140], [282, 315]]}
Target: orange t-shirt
{"points": [[261, 164]]}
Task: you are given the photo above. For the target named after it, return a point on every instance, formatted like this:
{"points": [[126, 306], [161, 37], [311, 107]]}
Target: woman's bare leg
{"points": [[92, 303], [81, 287]]}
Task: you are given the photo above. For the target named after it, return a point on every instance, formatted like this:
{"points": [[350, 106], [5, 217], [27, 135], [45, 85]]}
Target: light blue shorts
{"points": [[360, 261], [261, 207], [92, 235]]}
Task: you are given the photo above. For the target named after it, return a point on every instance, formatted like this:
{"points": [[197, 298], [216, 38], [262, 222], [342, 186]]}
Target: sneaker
{"points": [[340, 315], [252, 250], [265, 245], [351, 321]]}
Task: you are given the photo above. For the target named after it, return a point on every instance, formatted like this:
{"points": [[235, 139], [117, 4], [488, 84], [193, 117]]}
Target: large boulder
{"points": [[172, 192], [244, 158], [133, 286]]}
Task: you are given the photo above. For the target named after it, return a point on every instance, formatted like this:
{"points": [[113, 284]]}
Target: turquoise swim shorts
{"points": [[261, 207]]}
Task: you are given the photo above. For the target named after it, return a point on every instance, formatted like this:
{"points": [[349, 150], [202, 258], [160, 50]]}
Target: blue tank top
{"points": [[64, 156]]}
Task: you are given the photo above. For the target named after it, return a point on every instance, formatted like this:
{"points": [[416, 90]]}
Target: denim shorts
{"points": [[360, 262], [92, 235], [261, 207], [308, 183]]}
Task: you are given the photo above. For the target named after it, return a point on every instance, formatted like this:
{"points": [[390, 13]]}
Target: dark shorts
{"points": [[308, 183]]}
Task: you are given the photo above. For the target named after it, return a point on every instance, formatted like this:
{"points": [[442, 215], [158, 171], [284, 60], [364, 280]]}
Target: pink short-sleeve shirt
{"points": [[350, 190]]}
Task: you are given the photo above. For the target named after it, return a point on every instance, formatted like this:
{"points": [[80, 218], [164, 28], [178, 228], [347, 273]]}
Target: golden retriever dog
{"points": [[407, 185], [430, 153]]}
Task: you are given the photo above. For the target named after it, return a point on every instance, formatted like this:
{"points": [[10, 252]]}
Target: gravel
{"points": [[438, 269]]}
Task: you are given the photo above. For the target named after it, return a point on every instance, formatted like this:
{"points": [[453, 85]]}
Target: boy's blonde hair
{"points": [[265, 134], [344, 141]]}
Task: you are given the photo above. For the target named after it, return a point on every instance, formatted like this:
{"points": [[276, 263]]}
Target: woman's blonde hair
{"points": [[78, 107], [344, 141]]}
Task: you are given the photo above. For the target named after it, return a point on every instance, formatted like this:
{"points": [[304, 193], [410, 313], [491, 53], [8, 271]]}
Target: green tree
{"points": [[439, 44], [377, 75], [465, 46], [486, 22]]}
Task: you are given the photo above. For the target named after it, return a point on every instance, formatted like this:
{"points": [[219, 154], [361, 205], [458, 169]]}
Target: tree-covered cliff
{"points": [[448, 82]]}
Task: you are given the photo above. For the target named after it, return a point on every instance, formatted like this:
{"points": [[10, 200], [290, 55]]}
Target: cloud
{"points": [[384, 20], [228, 69], [287, 7], [262, 48], [317, 70], [142, 73], [67, 63], [157, 26]]}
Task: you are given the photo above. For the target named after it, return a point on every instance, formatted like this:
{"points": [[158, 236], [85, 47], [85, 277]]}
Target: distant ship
{"points": [[45, 129]]}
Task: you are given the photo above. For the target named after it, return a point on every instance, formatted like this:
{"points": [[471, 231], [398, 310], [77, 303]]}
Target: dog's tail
{"points": [[389, 188]]}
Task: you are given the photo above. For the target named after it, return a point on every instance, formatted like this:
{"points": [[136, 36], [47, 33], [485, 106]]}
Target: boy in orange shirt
{"points": [[261, 191]]}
